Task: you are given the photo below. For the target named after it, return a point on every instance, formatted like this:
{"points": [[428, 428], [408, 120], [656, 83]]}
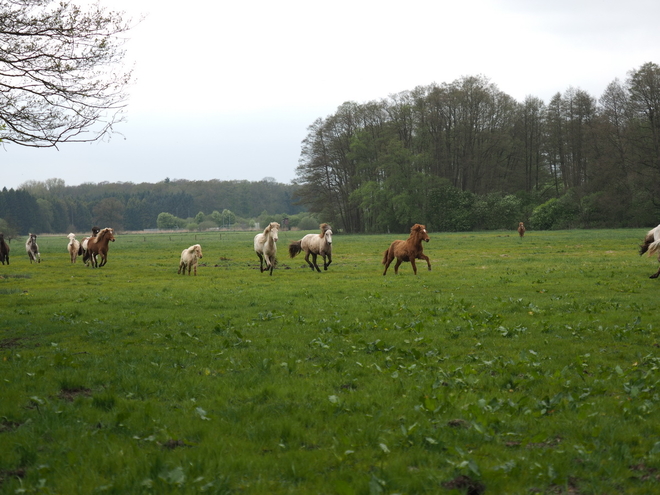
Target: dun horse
{"points": [[98, 246], [651, 245], [265, 245], [189, 259], [4, 249], [74, 247], [315, 244], [408, 250], [83, 244], [521, 229], [33, 249]]}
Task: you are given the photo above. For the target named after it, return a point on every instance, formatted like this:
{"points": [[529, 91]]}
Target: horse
{"points": [[32, 249], [521, 229], [408, 250], [189, 259], [651, 245], [4, 249], [315, 244], [83, 244], [265, 245], [74, 247], [99, 246]]}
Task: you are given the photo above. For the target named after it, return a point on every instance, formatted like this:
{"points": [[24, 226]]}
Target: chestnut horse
{"points": [[651, 245], [408, 250], [265, 246], [99, 246], [4, 249], [521, 229], [315, 244]]}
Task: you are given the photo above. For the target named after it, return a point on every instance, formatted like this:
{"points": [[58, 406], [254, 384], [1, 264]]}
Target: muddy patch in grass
{"points": [[70, 394]]}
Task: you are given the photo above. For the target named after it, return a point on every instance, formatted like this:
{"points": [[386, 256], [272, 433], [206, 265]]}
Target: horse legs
{"points": [[656, 274], [422, 256], [261, 262], [398, 264], [387, 261], [326, 265], [309, 262], [314, 257]]}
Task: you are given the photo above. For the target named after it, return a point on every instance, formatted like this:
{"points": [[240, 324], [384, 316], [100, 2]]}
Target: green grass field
{"points": [[513, 367]]}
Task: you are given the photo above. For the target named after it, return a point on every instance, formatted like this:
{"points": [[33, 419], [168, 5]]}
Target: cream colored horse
{"points": [[265, 245]]}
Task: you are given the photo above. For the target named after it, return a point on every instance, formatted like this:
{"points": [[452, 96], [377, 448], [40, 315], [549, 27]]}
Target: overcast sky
{"points": [[226, 90]]}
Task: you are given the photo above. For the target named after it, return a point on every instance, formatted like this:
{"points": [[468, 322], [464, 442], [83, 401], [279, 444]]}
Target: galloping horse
{"points": [[315, 244], [408, 250], [74, 247], [265, 245], [521, 229], [83, 244], [651, 245], [99, 246], [33, 249], [4, 249]]}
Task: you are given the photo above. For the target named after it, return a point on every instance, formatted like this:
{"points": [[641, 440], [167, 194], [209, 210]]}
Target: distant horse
{"points": [[265, 245], [521, 229], [99, 245], [315, 244], [74, 247], [651, 245], [33, 249], [189, 259], [83, 244], [4, 249], [408, 250]]}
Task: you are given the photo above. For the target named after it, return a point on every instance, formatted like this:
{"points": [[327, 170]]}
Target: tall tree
{"points": [[61, 73]]}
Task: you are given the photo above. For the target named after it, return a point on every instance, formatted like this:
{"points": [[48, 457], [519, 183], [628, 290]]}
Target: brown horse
{"points": [[4, 249], [408, 250], [99, 246], [83, 245], [521, 229]]}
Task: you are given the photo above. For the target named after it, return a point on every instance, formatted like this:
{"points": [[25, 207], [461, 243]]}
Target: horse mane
{"points": [[324, 228]]}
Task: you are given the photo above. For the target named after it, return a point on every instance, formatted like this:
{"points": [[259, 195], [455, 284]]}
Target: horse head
{"points": [[106, 233], [420, 231], [71, 236], [198, 250], [274, 229]]}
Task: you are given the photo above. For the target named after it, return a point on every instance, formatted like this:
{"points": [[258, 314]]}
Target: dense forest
{"points": [[464, 155], [53, 207]]}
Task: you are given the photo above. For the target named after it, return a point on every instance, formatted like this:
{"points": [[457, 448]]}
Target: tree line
{"points": [[53, 207], [464, 155]]}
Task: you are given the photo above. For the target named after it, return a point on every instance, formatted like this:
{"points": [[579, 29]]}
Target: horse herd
{"points": [[265, 246]]}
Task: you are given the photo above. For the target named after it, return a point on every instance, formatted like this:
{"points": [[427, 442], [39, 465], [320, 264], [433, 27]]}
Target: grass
{"points": [[515, 366]]}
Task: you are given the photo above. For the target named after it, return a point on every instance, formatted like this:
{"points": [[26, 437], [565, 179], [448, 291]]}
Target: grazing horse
{"points": [[408, 250], [521, 229], [33, 249], [74, 247], [189, 259], [4, 249], [83, 244], [98, 246], [315, 244], [651, 245], [265, 245]]}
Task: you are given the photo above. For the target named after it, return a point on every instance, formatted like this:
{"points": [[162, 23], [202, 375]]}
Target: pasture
{"points": [[515, 366]]}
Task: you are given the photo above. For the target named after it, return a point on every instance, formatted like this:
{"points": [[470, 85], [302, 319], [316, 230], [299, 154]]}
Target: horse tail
{"points": [[654, 247], [294, 248], [80, 249], [385, 256]]}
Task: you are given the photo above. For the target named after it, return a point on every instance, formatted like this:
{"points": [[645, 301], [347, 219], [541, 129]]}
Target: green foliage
{"points": [[515, 366], [556, 213], [451, 209]]}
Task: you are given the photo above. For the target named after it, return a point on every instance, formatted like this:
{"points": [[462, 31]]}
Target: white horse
{"points": [[32, 249], [189, 259], [651, 245], [265, 245], [315, 244], [74, 247]]}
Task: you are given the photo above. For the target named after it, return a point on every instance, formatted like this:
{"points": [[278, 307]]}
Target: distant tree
{"points": [[109, 212], [61, 73], [166, 221]]}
